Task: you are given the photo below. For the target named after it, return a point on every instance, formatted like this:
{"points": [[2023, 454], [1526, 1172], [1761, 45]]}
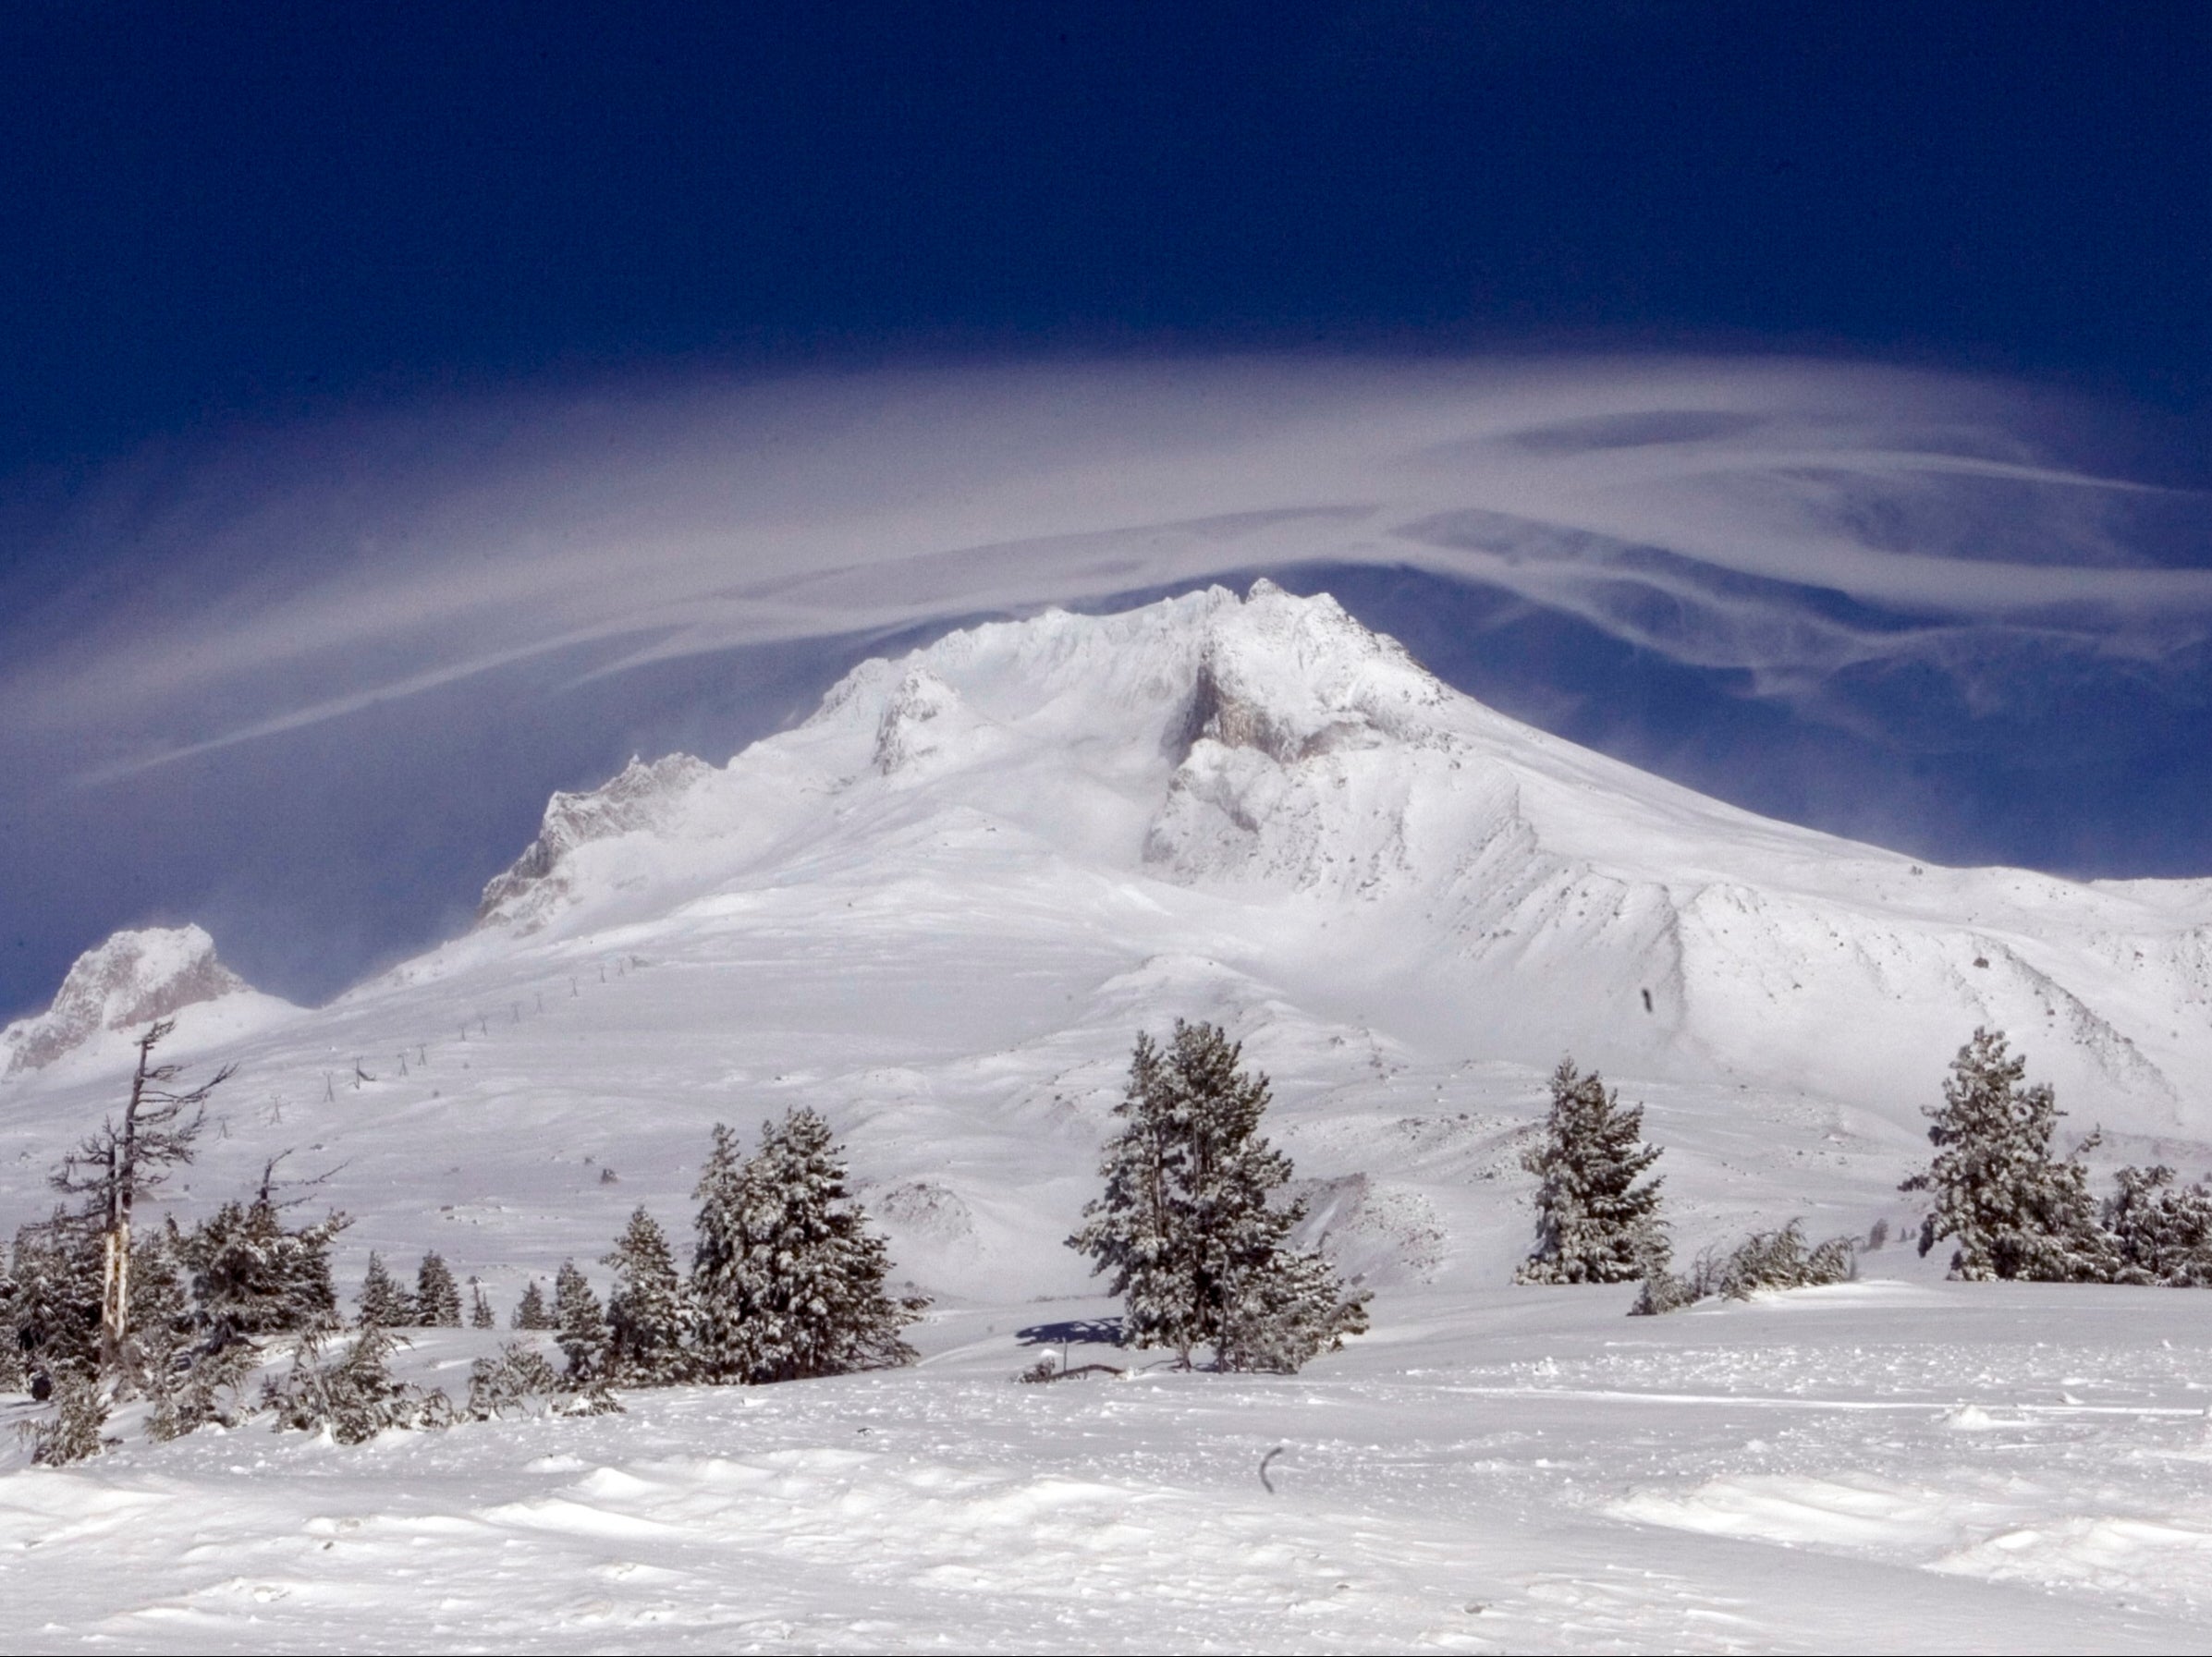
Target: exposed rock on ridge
{"points": [[643, 796], [132, 979]]}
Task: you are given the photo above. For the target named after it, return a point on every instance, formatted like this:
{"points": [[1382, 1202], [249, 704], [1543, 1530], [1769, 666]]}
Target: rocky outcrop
{"points": [[643, 796], [132, 979], [915, 722]]}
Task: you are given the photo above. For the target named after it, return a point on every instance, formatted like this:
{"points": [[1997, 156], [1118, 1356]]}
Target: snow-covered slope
{"points": [[129, 981], [1276, 753], [938, 912], [939, 908]]}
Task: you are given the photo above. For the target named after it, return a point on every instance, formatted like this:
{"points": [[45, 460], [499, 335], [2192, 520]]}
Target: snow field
{"points": [[939, 915], [1873, 1468]]}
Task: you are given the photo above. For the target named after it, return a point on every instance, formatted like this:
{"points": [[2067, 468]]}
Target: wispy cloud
{"points": [[1785, 518]]}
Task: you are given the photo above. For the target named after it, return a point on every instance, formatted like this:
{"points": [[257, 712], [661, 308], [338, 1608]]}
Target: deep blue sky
{"points": [[216, 211], [221, 223]]}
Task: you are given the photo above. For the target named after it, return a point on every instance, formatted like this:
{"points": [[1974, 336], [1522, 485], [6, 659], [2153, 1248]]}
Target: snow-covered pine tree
{"points": [[580, 1324], [647, 1316], [1595, 1223], [55, 1308], [1288, 1312], [2015, 1210], [12, 1378], [788, 1278], [354, 1396], [480, 1308], [531, 1311], [207, 1392], [1133, 1231], [1188, 1225], [1779, 1260], [517, 1382], [251, 1273], [383, 1304], [161, 1337], [721, 1273], [72, 1431], [193, 1375], [2162, 1231], [828, 1290], [1259, 1302], [437, 1296]]}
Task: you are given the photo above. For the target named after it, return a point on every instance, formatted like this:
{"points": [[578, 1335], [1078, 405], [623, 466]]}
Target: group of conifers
{"points": [[788, 1281], [1995, 1189]]}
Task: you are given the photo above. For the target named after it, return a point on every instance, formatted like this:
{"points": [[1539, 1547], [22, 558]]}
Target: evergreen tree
{"points": [[57, 1305], [722, 1274], [480, 1308], [1779, 1260], [437, 1296], [355, 1396], [1291, 1311], [1134, 1229], [205, 1390], [2162, 1231], [251, 1273], [161, 1343], [1189, 1227], [517, 1382], [580, 1324], [1595, 1224], [2015, 1211], [192, 1369], [787, 1276], [12, 1378], [532, 1313], [383, 1304], [72, 1431], [646, 1314]]}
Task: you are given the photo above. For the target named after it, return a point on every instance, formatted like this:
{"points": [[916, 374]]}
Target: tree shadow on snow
{"points": [[1074, 1331]]}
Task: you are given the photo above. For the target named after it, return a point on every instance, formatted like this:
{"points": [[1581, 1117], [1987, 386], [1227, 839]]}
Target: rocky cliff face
{"points": [[642, 797], [132, 979]]}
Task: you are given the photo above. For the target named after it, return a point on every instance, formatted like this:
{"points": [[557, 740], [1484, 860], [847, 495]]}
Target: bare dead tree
{"points": [[127, 1159], [302, 1187]]}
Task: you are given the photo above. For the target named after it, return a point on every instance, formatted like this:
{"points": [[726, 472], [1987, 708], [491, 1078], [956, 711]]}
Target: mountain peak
{"points": [[642, 795], [133, 978], [1265, 752], [1295, 677]]}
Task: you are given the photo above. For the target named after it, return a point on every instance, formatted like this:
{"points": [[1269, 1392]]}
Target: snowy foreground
{"points": [[939, 913], [1883, 1466]]}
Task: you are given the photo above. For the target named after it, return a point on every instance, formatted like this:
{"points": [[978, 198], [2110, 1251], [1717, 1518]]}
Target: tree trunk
{"points": [[115, 1245], [115, 1294]]}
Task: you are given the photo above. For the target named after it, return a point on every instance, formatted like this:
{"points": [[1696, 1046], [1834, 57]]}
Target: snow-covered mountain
{"points": [[129, 981], [1273, 750], [940, 908], [937, 911]]}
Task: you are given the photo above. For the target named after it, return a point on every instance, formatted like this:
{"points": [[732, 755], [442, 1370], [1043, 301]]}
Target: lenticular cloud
{"points": [[1787, 519]]}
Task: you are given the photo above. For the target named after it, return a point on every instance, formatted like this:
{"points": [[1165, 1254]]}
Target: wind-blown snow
{"points": [[938, 912]]}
